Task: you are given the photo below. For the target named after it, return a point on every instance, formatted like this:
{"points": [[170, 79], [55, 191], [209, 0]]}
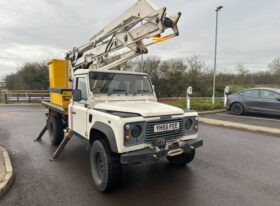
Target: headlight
{"points": [[191, 124], [136, 131]]}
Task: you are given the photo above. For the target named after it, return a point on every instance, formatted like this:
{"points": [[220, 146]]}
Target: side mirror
{"points": [[77, 95], [278, 98]]}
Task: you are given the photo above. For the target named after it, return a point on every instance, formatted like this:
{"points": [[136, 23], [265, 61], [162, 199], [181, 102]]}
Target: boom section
{"points": [[123, 39]]}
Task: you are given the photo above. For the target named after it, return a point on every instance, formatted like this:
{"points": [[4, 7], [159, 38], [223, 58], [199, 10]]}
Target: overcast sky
{"points": [[249, 31]]}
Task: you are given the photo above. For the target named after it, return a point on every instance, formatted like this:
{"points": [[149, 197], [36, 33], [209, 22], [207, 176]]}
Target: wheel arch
{"points": [[100, 130]]}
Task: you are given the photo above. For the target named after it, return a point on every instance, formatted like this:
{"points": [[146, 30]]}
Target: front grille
{"points": [[151, 135]]}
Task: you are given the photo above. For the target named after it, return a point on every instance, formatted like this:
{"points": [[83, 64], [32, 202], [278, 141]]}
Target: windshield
{"points": [[112, 83]]}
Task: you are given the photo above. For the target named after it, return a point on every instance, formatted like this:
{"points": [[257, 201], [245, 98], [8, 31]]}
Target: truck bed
{"points": [[55, 107]]}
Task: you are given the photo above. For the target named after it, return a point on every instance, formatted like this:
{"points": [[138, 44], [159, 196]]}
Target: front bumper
{"points": [[153, 154]]}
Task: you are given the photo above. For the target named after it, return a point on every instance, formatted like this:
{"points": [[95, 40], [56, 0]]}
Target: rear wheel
{"points": [[237, 109], [183, 159], [55, 128], [105, 166]]}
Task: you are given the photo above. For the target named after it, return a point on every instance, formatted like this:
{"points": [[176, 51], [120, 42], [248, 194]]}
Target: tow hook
{"points": [[175, 152]]}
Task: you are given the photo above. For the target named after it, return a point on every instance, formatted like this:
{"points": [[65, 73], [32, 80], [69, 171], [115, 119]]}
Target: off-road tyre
{"points": [[237, 109], [105, 166], [182, 159], [55, 128]]}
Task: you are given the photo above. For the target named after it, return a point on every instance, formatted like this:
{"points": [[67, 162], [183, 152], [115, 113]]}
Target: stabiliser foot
{"points": [[68, 134], [41, 134]]}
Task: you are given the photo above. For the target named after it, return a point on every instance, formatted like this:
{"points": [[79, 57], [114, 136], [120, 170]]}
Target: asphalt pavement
{"points": [[232, 168], [262, 120]]}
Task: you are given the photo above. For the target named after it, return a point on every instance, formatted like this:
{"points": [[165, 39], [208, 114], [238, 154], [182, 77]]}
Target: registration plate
{"points": [[166, 127]]}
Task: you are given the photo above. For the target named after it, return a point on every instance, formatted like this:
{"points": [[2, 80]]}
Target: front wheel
{"points": [[183, 159], [105, 166], [237, 109]]}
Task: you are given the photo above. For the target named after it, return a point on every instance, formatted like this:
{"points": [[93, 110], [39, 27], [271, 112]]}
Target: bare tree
{"points": [[195, 64], [274, 66], [171, 67], [31, 76], [150, 66], [241, 69]]}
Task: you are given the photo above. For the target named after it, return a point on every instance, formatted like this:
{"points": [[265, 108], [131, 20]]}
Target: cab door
{"points": [[271, 103], [79, 109]]}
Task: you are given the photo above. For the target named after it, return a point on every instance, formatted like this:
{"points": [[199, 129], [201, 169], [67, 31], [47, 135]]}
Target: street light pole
{"points": [[215, 56]]}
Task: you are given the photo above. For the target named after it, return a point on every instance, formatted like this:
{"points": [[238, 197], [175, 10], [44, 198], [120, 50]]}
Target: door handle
{"points": [[73, 112]]}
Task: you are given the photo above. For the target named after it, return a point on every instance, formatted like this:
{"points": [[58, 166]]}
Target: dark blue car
{"points": [[256, 100]]}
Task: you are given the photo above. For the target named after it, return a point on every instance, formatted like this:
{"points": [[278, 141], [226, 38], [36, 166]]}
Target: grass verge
{"points": [[203, 104]]}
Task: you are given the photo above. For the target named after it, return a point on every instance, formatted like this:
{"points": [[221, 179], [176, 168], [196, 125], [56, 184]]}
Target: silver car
{"points": [[257, 100]]}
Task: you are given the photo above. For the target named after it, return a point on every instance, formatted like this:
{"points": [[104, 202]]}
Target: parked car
{"points": [[256, 100]]}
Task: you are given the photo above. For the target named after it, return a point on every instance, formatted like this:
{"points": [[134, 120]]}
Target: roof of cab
{"points": [[86, 71]]}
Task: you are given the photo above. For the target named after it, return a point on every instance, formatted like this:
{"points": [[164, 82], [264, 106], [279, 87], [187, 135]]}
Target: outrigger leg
{"points": [[41, 134], [68, 134]]}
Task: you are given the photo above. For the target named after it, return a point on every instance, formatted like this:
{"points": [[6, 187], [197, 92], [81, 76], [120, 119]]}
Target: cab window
{"points": [[81, 84]]}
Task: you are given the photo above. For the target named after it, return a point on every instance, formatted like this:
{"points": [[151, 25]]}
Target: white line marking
{"points": [[246, 117]]}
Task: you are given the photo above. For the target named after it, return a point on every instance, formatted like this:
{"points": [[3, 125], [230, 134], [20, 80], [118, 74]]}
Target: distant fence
{"points": [[28, 96]]}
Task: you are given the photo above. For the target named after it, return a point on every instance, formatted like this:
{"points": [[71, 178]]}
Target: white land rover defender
{"points": [[119, 114], [116, 111]]}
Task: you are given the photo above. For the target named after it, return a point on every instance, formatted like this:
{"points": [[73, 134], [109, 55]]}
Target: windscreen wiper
{"points": [[140, 91], [117, 91]]}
